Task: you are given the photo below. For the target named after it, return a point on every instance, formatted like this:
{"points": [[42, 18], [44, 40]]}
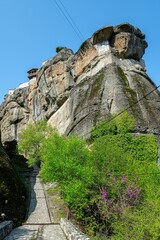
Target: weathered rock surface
{"points": [[75, 91]]}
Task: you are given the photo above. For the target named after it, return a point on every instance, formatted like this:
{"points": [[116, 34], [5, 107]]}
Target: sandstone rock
{"points": [[126, 27], [53, 83], [102, 35], [14, 114], [108, 92], [76, 91], [128, 45]]}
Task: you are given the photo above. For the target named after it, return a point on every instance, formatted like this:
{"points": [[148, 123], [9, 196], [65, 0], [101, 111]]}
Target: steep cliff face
{"points": [[75, 91]]}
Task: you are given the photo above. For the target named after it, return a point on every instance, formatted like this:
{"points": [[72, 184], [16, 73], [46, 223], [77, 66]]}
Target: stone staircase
{"points": [[5, 228], [38, 224]]}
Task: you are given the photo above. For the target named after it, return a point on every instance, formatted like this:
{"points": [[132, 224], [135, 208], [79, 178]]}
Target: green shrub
{"points": [[31, 139], [124, 122], [121, 123], [103, 128], [128, 179], [58, 49], [64, 159], [112, 185], [67, 160]]}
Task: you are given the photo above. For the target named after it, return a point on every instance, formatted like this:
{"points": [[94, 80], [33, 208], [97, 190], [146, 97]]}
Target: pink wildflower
{"points": [[124, 179], [103, 193]]}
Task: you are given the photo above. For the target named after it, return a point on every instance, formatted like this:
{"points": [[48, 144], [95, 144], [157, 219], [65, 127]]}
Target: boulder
{"points": [[102, 35], [126, 27], [129, 46]]}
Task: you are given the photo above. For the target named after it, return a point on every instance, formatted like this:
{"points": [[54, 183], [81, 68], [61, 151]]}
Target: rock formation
{"points": [[75, 91]]}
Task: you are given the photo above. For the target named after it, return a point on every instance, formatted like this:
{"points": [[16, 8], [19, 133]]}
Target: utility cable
{"points": [[68, 20], [73, 22], [78, 33], [80, 36], [136, 102], [65, 14]]}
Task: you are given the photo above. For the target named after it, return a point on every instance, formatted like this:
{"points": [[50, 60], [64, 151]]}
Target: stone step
{"points": [[5, 228], [37, 232], [38, 225]]}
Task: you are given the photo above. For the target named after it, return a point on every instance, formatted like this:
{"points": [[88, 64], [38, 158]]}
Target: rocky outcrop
{"points": [[14, 114], [129, 41], [5, 229], [75, 91]]}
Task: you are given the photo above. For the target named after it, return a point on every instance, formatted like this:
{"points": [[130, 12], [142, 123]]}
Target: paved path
{"points": [[38, 225]]}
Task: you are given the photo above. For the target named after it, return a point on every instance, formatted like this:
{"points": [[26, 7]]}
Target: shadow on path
{"points": [[32, 200], [38, 225]]}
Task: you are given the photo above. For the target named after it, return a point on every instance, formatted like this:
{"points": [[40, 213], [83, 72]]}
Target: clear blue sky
{"points": [[30, 31]]}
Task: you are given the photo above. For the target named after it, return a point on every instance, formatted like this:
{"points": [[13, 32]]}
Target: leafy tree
{"points": [[111, 185], [31, 140], [103, 128], [121, 123], [128, 179], [67, 160]]}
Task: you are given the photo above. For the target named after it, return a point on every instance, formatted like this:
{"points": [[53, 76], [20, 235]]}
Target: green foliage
{"points": [[138, 223], [111, 185], [121, 123], [58, 49], [99, 237], [103, 128], [66, 160], [63, 157], [31, 139], [128, 176], [124, 122]]}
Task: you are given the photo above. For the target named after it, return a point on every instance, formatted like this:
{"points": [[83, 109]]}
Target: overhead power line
{"points": [[136, 102], [133, 104], [72, 20], [74, 26], [64, 12]]}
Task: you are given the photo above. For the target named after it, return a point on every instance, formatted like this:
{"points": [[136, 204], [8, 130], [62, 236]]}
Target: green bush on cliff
{"points": [[129, 179], [116, 124], [59, 48], [67, 160], [31, 139], [111, 185]]}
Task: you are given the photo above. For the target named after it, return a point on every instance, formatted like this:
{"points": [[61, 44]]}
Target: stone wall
{"points": [[5, 229], [72, 232]]}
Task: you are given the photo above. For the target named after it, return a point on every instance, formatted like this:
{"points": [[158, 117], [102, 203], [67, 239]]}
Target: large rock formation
{"points": [[75, 91]]}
